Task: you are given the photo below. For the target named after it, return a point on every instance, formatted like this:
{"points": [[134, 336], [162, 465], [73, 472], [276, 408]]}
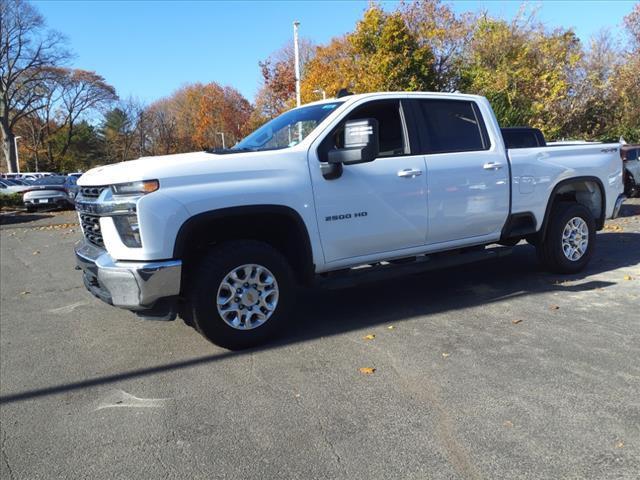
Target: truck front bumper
{"points": [[135, 286]]}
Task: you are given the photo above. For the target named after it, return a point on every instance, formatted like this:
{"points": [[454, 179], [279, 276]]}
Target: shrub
{"points": [[11, 200]]}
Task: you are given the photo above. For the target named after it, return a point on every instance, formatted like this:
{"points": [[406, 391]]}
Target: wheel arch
{"points": [[578, 189], [278, 225]]}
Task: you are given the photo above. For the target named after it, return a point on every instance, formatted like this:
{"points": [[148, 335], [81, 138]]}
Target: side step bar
{"points": [[406, 266]]}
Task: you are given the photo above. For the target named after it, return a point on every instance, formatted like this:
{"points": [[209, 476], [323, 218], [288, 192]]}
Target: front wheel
{"points": [[242, 294], [570, 239]]}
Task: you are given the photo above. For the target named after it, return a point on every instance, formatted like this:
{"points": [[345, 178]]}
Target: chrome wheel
{"points": [[575, 239], [247, 296]]}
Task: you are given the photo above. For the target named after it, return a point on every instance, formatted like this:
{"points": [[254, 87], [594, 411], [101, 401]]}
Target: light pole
{"points": [[320, 90], [296, 54], [15, 145], [222, 135]]}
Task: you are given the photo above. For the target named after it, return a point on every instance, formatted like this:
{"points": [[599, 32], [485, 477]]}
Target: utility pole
{"points": [[296, 54], [15, 144], [222, 135]]}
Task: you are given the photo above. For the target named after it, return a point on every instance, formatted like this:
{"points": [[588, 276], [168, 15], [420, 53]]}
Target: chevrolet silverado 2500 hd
{"points": [[335, 191]]}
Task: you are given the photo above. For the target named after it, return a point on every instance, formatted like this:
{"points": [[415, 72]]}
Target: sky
{"points": [[148, 49]]}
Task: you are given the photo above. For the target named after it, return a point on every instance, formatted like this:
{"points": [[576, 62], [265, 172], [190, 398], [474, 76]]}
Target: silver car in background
{"points": [[51, 192]]}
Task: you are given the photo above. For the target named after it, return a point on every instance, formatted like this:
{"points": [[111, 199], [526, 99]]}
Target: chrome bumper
{"points": [[125, 284], [618, 205]]}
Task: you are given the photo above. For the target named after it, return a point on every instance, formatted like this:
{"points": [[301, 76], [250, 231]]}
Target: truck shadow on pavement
{"points": [[517, 275], [326, 313], [14, 219]]}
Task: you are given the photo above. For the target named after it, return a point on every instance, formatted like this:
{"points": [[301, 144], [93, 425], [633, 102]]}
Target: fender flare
{"points": [[192, 223], [559, 185]]}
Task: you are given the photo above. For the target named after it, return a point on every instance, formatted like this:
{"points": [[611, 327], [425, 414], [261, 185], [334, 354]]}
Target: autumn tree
{"points": [[523, 70], [195, 116], [222, 113], [29, 54], [437, 27], [381, 54], [625, 83], [278, 90]]}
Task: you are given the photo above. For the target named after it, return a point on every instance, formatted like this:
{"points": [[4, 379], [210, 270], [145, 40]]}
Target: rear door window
{"points": [[447, 126]]}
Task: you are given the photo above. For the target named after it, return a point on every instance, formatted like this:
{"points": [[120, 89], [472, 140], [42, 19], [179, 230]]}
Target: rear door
{"points": [[467, 177]]}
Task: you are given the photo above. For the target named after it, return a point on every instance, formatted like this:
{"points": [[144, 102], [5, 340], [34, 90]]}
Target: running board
{"points": [[406, 266]]}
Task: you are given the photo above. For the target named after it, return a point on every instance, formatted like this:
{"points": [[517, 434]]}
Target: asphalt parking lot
{"points": [[496, 370]]}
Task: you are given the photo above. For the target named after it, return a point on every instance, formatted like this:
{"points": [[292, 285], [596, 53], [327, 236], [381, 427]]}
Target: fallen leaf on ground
{"points": [[445, 355], [620, 444], [508, 423], [36, 252], [367, 370], [628, 277], [555, 307], [369, 337], [26, 292], [515, 322], [391, 327]]}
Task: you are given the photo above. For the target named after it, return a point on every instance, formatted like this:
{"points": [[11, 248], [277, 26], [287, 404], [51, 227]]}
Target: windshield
{"points": [[288, 129], [50, 181]]}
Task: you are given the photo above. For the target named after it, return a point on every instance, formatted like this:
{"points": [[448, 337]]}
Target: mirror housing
{"points": [[361, 143]]}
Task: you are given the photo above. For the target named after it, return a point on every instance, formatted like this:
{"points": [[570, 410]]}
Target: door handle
{"points": [[410, 173], [492, 166]]}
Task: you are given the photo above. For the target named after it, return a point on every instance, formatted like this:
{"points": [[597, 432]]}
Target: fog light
{"points": [[129, 230]]}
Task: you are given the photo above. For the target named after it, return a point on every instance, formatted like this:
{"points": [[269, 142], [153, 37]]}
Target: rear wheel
{"points": [[242, 294], [570, 238]]}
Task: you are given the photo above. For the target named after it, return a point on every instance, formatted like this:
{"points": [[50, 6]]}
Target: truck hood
{"points": [[147, 168]]}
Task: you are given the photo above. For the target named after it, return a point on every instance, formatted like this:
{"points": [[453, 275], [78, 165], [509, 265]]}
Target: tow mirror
{"points": [[361, 143]]}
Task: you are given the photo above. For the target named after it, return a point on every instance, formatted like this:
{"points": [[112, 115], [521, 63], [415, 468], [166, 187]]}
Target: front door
{"points": [[373, 207]]}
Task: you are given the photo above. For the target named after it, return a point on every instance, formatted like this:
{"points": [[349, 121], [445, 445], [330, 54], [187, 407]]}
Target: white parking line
{"points": [[120, 398], [67, 308]]}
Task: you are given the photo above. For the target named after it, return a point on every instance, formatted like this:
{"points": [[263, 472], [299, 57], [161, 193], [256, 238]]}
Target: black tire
{"points": [[631, 188], [550, 249], [31, 209], [213, 269]]}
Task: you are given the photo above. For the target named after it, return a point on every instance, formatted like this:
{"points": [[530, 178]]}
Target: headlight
{"points": [[135, 188], [129, 230]]}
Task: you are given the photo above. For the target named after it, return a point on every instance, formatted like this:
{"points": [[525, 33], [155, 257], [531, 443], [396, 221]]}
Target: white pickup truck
{"points": [[334, 192]]}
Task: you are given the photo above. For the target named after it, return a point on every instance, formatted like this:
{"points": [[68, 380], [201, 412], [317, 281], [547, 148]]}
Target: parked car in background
{"points": [[8, 187], [631, 160], [51, 192], [19, 181]]}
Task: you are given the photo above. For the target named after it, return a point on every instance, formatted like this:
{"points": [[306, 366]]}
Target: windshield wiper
{"points": [[224, 151]]}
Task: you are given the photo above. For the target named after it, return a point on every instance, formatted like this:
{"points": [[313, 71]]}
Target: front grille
{"points": [[91, 227], [92, 192]]}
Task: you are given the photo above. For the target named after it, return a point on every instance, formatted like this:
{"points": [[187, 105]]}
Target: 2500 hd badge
{"points": [[345, 216]]}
